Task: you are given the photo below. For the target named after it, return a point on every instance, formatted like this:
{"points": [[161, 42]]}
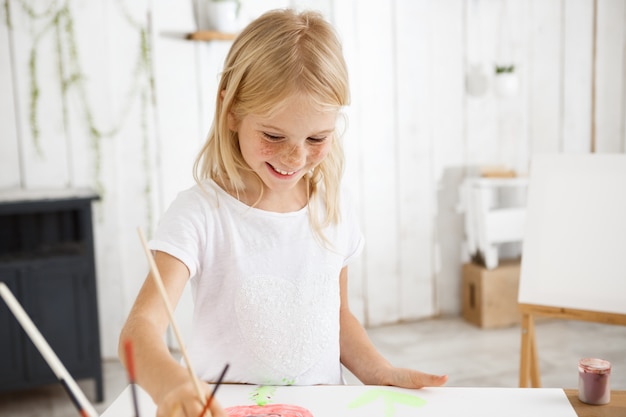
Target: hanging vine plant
{"points": [[58, 19]]}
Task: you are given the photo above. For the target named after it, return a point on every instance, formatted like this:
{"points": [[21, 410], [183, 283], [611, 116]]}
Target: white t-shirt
{"points": [[266, 293]]}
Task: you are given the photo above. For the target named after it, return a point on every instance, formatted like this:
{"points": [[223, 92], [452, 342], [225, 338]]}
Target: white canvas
{"points": [[574, 249]]}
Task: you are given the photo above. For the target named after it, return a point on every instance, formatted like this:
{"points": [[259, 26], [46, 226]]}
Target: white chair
{"points": [[487, 226]]}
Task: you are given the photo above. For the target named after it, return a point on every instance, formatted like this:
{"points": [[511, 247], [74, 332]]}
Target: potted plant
{"points": [[506, 82], [223, 15]]}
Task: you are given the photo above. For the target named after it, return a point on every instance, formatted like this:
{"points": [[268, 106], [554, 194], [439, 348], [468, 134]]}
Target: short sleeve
{"points": [[181, 232]]}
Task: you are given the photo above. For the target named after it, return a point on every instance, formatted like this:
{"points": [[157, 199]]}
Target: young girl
{"points": [[266, 234]]}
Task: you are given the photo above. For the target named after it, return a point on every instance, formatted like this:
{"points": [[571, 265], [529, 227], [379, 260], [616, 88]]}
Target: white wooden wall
{"points": [[413, 132]]}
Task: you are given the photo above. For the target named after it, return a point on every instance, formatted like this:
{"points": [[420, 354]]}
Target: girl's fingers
{"points": [[174, 411]]}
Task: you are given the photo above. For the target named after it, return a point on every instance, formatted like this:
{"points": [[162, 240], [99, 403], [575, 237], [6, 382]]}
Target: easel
{"points": [[529, 360], [575, 230]]}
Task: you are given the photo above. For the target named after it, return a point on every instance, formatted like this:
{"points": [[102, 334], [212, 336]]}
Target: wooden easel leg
{"points": [[529, 360], [534, 357], [524, 367]]}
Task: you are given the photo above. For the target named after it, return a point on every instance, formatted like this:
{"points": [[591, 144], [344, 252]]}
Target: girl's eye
{"points": [[317, 140], [272, 137]]}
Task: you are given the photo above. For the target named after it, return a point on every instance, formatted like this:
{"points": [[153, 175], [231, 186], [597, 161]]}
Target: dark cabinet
{"points": [[47, 260]]}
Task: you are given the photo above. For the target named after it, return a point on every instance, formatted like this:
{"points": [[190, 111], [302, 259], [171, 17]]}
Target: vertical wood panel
{"points": [[609, 76], [117, 262], [45, 165], [90, 97], [344, 19], [9, 150], [135, 147], [481, 24], [545, 76], [623, 129], [177, 72], [376, 130], [93, 102], [513, 132], [577, 78], [448, 157], [415, 182]]}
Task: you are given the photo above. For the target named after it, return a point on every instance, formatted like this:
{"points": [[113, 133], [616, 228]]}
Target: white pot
{"points": [[222, 16], [476, 81], [506, 84]]}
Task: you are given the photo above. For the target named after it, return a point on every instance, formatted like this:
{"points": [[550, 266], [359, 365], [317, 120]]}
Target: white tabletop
{"points": [[375, 401]]}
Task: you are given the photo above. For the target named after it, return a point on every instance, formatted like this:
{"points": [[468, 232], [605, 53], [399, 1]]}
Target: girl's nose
{"points": [[294, 157]]}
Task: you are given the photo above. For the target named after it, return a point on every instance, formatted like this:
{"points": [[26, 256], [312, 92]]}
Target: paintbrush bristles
{"points": [[130, 364], [217, 385], [159, 282], [130, 360]]}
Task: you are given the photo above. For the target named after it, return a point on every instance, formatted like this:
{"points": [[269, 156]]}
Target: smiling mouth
{"points": [[281, 172]]}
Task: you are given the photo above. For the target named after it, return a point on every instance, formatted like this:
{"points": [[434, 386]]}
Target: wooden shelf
{"points": [[211, 35]]}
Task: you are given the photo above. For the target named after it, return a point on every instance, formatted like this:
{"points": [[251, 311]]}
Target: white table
{"points": [[375, 401]]}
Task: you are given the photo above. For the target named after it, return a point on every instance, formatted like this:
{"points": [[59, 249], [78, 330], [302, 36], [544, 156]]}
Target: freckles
{"points": [[266, 150], [318, 153]]}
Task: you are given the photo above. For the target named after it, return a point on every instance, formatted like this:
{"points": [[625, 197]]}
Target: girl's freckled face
{"points": [[283, 147]]}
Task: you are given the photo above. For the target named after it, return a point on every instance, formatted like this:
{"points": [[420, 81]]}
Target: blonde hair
{"points": [[280, 54]]}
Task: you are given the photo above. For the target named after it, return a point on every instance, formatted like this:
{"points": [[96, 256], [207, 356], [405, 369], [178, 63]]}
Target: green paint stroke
{"points": [[289, 382], [390, 398], [262, 395]]}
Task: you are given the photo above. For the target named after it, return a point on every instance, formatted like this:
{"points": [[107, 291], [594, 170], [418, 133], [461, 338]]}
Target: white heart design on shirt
{"points": [[287, 325]]}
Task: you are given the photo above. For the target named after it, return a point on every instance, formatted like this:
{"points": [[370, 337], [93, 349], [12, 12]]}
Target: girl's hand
{"points": [[183, 401], [409, 378]]}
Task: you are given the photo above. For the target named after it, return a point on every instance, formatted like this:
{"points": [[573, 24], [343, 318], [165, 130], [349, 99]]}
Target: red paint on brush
{"points": [[130, 364], [217, 385]]}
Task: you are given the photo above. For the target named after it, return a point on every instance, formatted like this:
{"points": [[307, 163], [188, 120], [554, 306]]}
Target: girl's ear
{"points": [[232, 121]]}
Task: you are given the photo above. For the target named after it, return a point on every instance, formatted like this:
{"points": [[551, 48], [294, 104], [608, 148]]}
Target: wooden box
{"points": [[490, 296]]}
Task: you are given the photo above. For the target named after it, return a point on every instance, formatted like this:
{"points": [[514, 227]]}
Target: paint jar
{"points": [[593, 381]]}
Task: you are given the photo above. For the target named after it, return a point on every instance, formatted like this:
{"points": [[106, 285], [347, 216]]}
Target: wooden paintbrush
{"points": [[217, 384], [78, 398], [157, 279]]}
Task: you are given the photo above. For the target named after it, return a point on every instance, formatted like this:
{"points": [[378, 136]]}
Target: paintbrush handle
{"points": [[217, 385], [48, 354], [159, 282]]}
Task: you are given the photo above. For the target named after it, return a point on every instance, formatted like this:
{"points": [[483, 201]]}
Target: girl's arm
{"points": [[164, 378], [360, 356]]}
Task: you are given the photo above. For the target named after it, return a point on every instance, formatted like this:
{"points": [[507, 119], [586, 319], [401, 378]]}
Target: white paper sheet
{"points": [[374, 401]]}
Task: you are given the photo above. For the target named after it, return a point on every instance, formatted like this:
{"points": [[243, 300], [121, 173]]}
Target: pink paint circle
{"points": [[270, 410]]}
